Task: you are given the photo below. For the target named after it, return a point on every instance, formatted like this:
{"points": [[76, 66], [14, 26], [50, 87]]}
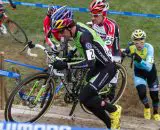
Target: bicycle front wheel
{"points": [[30, 99], [16, 32]]}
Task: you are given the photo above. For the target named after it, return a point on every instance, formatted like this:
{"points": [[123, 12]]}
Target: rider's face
{"points": [[65, 33], [97, 18], [139, 44]]}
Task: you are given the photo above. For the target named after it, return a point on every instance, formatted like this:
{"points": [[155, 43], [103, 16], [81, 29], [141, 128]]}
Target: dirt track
{"points": [[59, 116], [132, 108]]}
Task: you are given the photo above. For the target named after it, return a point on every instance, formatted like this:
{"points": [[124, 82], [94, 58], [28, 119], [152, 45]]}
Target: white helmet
{"points": [[138, 34]]}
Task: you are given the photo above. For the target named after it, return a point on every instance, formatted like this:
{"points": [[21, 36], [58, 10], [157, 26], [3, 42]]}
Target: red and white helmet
{"points": [[99, 6]]}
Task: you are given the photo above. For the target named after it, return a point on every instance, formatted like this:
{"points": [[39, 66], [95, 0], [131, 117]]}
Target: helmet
{"points": [[62, 13], [62, 23], [98, 6], [138, 34], [62, 18], [51, 10]]}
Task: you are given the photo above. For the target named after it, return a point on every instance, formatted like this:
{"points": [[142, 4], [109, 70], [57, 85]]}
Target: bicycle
{"points": [[41, 89], [15, 31]]}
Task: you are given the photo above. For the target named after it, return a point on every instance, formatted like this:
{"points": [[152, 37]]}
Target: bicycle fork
{"points": [[39, 94]]}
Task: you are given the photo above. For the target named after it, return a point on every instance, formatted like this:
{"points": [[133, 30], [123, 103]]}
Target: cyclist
{"points": [[2, 15], [97, 59], [51, 36], [144, 72], [108, 31]]}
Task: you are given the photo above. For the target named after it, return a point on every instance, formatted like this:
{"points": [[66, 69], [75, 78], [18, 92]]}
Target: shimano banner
{"points": [[27, 126]]}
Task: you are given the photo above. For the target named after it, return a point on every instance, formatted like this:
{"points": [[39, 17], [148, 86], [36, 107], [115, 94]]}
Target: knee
{"points": [[141, 89], [87, 93], [154, 96]]}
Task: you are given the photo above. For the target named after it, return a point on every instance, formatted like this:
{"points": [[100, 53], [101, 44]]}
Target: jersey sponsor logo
{"points": [[88, 45], [102, 55], [100, 30]]}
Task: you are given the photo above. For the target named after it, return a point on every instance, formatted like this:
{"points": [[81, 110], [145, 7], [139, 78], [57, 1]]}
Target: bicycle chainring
{"points": [[68, 98]]}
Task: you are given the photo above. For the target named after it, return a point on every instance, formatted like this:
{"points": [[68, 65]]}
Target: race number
{"points": [[150, 60], [90, 54]]}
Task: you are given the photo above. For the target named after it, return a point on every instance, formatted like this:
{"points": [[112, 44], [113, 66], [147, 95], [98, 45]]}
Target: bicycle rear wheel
{"points": [[121, 84], [21, 105], [16, 32], [119, 90]]}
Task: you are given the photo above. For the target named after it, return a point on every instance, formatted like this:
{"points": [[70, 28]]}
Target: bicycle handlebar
{"points": [[51, 55], [35, 46], [127, 55]]}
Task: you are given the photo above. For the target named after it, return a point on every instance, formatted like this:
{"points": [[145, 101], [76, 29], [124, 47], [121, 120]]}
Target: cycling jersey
{"points": [[90, 45], [51, 36], [147, 55], [145, 72], [109, 32]]}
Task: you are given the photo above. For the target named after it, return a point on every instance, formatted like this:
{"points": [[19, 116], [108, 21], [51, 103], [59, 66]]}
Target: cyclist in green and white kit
{"points": [[97, 59]]}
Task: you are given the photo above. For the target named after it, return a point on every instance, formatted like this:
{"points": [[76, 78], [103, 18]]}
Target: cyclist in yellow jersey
{"points": [[145, 73]]}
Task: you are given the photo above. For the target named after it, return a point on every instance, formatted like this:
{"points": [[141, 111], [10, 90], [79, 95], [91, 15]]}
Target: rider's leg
{"points": [[154, 90], [141, 84], [155, 101], [141, 89], [89, 97]]}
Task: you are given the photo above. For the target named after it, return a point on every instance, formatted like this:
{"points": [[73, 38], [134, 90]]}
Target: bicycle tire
{"points": [[16, 32], [123, 85], [8, 109]]}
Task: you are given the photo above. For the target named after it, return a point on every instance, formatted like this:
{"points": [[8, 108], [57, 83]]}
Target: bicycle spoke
{"points": [[30, 101]]}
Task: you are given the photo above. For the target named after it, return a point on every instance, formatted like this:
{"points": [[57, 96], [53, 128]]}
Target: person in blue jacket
{"points": [[145, 73]]}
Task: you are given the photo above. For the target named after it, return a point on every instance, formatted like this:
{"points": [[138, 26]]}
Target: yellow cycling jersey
{"points": [[142, 53]]}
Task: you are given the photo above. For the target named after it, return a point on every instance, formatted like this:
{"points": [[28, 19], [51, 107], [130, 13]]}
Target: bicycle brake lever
{"points": [[31, 45]]}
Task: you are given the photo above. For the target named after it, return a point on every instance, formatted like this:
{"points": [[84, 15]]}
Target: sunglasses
{"points": [[61, 31], [138, 39], [138, 42], [96, 15]]}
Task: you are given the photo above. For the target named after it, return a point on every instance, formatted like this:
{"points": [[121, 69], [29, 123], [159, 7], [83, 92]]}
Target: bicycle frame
{"points": [[72, 92]]}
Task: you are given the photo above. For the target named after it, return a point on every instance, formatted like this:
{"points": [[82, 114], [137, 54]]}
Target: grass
{"points": [[31, 18]]}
